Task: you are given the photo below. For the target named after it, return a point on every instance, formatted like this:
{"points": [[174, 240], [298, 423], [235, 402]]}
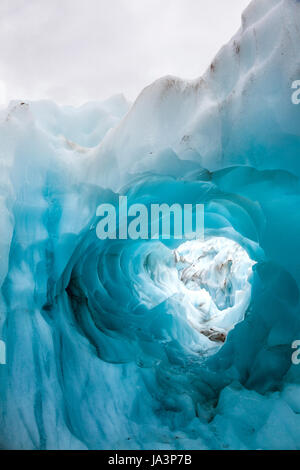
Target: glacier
{"points": [[157, 344]]}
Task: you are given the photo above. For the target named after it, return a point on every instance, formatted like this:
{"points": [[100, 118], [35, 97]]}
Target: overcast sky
{"points": [[73, 51]]}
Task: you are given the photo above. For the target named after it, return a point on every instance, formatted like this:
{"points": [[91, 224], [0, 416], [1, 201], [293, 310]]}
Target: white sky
{"points": [[73, 51]]}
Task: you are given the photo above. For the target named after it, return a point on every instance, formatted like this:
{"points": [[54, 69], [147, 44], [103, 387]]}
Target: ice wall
{"points": [[101, 347]]}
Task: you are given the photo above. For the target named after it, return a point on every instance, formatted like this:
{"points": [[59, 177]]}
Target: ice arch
{"points": [[99, 352]]}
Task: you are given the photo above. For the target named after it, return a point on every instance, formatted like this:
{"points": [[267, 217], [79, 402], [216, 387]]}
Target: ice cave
{"points": [[157, 344]]}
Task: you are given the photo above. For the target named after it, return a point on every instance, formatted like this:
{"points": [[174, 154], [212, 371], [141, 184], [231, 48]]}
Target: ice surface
{"points": [[125, 344], [215, 274]]}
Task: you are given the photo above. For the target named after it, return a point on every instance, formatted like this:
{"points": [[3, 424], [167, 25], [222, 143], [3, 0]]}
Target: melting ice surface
{"points": [[214, 279], [157, 343]]}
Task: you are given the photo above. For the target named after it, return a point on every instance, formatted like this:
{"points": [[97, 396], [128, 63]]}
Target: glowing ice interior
{"points": [[214, 277]]}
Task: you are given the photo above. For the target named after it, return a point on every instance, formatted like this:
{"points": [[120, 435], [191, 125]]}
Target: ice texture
{"points": [[153, 343]]}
